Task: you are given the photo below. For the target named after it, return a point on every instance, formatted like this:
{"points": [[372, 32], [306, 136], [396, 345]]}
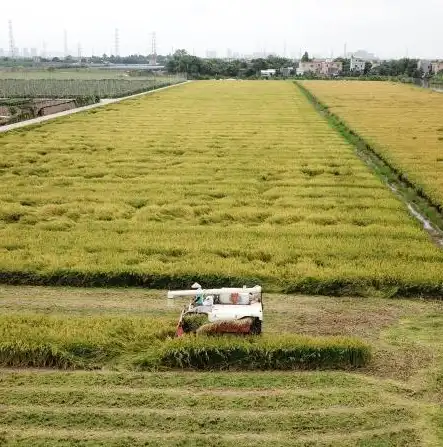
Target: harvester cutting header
{"points": [[220, 311]]}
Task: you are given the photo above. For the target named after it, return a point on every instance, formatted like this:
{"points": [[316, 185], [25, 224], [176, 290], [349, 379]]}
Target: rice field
{"points": [[85, 74], [68, 88], [402, 123], [394, 401], [224, 182]]}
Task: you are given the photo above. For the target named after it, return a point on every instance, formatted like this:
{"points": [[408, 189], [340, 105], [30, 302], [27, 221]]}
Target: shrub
{"points": [[283, 352]]}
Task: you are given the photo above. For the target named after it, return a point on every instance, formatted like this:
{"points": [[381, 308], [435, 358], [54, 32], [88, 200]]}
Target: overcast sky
{"points": [[388, 28]]}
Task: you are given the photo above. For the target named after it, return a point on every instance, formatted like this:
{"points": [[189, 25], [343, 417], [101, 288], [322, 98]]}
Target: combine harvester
{"points": [[220, 311]]}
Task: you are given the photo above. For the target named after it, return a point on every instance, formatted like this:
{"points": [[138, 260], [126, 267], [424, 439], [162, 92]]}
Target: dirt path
{"points": [[102, 103]]}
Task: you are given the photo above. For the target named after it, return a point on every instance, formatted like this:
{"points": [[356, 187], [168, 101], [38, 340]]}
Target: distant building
{"points": [[211, 54], [268, 73], [424, 65], [365, 56], [34, 52], [357, 64], [324, 67], [310, 67], [331, 68], [437, 66], [287, 71], [26, 53], [2, 52]]}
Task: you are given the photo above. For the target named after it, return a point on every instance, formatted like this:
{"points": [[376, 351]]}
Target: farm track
{"points": [[102, 103]]}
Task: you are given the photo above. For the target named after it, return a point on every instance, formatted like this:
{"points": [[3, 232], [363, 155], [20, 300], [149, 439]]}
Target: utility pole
{"points": [[66, 49], [117, 42], [79, 52], [11, 41], [153, 60], [346, 52]]}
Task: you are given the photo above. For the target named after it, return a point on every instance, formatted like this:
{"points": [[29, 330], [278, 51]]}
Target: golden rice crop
{"points": [[268, 352], [222, 182], [66, 342], [402, 123]]}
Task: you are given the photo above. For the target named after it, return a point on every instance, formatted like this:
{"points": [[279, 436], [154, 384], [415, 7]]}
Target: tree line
{"points": [[201, 68]]}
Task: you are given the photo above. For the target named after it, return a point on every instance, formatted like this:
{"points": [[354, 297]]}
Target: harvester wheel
{"points": [[256, 327]]}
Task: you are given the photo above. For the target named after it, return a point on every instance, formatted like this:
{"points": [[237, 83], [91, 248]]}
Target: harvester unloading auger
{"points": [[220, 311]]}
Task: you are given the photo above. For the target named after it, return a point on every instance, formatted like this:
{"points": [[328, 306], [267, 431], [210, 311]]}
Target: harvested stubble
{"points": [[283, 352], [402, 123], [233, 183]]}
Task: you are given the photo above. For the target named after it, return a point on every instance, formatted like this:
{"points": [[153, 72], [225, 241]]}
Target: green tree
{"points": [[305, 57], [368, 68]]}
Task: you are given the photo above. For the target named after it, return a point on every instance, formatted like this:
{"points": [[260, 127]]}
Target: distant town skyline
{"points": [[388, 28]]}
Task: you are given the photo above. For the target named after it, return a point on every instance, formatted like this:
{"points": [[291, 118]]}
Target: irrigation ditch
{"points": [[419, 204]]}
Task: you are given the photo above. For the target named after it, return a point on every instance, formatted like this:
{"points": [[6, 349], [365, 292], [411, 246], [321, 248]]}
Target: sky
{"points": [[388, 28]]}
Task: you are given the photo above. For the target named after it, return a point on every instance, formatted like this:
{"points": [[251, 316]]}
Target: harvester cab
{"points": [[220, 311]]}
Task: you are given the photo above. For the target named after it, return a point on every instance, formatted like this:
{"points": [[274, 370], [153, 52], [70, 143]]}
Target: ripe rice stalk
{"points": [[263, 353]]}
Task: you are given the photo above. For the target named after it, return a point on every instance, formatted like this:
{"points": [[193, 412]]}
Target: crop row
{"points": [[55, 342]]}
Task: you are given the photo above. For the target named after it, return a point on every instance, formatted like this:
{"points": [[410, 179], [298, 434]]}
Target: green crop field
{"points": [[66, 74], [227, 182], [66, 88], [393, 401], [402, 123]]}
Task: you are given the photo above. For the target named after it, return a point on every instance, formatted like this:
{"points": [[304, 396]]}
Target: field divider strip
{"points": [[42, 119], [420, 205], [236, 392], [80, 409], [86, 434]]}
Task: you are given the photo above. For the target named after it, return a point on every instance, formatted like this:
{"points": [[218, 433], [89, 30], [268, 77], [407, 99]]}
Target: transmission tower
{"points": [[65, 39], [117, 42], [153, 60], [11, 41]]}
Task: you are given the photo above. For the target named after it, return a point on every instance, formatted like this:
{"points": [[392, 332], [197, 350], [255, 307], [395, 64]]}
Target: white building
{"points": [[286, 71], [268, 73], [357, 64]]}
